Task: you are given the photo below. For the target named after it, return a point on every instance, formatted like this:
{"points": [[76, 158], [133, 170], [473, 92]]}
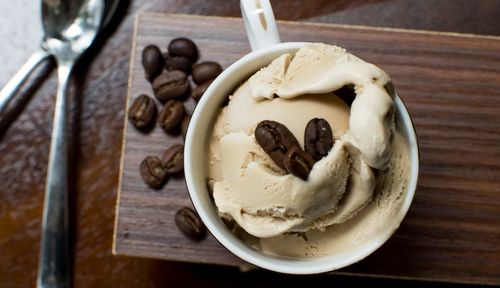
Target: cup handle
{"points": [[260, 24]]}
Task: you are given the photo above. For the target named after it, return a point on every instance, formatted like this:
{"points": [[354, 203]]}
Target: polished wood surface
{"points": [[451, 87], [99, 92]]}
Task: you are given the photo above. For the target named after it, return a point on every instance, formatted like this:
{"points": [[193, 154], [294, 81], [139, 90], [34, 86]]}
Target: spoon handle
{"points": [[54, 251], [10, 89]]}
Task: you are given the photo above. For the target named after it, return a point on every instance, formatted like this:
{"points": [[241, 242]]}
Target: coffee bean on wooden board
{"points": [[152, 172], [318, 138], [298, 162], [183, 47], [142, 112], [185, 125], [171, 116], [178, 63], [275, 139], [152, 61], [190, 223], [202, 72], [173, 159], [170, 85], [199, 90]]}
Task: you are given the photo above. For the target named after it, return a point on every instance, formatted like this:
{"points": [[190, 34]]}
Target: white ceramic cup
{"points": [[264, 39]]}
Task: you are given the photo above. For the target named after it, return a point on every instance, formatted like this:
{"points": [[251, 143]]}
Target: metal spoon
{"points": [[70, 27], [10, 89]]}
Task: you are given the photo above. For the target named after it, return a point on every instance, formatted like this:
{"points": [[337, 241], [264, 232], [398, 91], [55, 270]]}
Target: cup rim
{"points": [[285, 264]]}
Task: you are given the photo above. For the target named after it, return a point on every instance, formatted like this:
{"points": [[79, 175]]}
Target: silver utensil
{"points": [[9, 91], [11, 88], [70, 27]]}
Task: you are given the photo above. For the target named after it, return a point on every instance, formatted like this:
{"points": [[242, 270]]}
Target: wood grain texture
{"points": [[100, 85], [451, 86]]}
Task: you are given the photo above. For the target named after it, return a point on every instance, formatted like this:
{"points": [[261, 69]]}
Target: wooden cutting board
{"points": [[451, 86]]}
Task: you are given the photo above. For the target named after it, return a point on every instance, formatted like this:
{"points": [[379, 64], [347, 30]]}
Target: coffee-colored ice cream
{"points": [[269, 203]]}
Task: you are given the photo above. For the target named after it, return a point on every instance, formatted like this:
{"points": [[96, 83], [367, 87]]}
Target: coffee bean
{"points": [[152, 172], [152, 61], [183, 47], [198, 92], [318, 138], [173, 159], [190, 223], [178, 63], [185, 125], [298, 162], [171, 116], [275, 139], [142, 113], [346, 93], [202, 72], [170, 85]]}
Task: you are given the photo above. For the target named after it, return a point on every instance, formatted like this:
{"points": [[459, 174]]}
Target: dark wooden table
{"points": [[99, 90]]}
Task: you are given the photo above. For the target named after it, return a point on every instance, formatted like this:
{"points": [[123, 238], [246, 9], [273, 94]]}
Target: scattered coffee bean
{"points": [[318, 138], [202, 72], [275, 139], [171, 116], [346, 93], [298, 162], [142, 113], [152, 61], [198, 92], [152, 172], [183, 47], [170, 85], [190, 223], [178, 63], [185, 125], [173, 159]]}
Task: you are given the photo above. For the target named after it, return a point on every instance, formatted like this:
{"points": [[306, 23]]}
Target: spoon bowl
{"points": [[9, 108], [70, 26]]}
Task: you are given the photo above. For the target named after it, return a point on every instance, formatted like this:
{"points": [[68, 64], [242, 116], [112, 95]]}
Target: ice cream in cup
{"points": [[300, 158]]}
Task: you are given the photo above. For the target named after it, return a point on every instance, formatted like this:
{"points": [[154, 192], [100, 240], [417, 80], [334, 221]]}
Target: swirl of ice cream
{"points": [[253, 190], [320, 68]]}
